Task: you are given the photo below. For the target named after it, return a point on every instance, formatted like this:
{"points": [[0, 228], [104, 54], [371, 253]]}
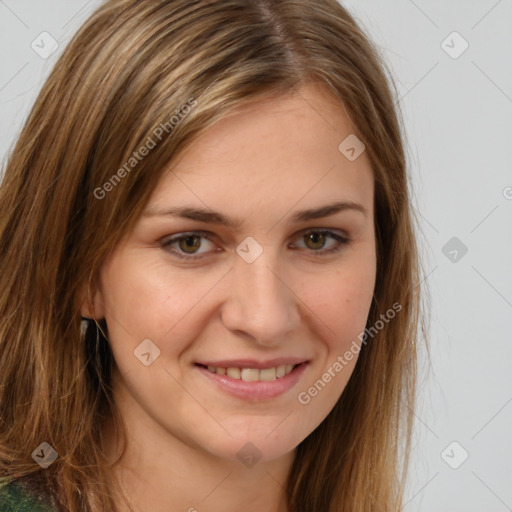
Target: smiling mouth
{"points": [[253, 374]]}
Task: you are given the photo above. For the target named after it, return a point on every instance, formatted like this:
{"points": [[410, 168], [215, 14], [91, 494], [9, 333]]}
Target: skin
{"points": [[260, 166]]}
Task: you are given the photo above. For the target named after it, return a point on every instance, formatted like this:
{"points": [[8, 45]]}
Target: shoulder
{"points": [[16, 497]]}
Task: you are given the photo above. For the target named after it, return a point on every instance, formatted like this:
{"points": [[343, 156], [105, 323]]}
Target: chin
{"points": [[256, 440]]}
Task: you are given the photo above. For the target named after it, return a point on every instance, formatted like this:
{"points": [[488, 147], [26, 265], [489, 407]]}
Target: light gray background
{"points": [[458, 114]]}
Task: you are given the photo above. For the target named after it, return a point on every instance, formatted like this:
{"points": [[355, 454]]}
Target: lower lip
{"points": [[259, 390]]}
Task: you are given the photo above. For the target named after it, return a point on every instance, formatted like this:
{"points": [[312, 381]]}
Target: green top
{"points": [[14, 497]]}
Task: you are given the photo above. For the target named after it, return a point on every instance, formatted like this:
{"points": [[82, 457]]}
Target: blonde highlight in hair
{"points": [[130, 67]]}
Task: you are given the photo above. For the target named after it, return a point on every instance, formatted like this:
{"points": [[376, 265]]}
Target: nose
{"points": [[261, 304]]}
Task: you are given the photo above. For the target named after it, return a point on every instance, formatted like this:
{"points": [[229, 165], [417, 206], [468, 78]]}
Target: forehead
{"points": [[273, 155]]}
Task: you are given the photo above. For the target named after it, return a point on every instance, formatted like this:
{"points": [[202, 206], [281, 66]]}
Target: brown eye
{"points": [[316, 241], [316, 238], [189, 244]]}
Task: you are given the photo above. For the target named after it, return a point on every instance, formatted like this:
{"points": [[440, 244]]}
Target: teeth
{"points": [[253, 374], [250, 374], [234, 373], [268, 374], [220, 371]]}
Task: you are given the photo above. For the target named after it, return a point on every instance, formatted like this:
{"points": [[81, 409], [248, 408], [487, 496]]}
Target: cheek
{"points": [[341, 300], [147, 300], [143, 296]]}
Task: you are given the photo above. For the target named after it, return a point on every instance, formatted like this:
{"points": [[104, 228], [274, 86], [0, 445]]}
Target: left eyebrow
{"points": [[327, 210], [212, 217]]}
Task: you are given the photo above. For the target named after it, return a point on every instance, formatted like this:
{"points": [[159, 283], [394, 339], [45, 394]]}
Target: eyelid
{"points": [[341, 233]]}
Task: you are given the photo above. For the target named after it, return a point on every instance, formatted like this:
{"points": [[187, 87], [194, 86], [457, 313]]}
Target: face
{"points": [[221, 322]]}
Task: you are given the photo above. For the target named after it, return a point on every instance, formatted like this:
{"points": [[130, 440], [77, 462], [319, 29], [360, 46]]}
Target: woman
{"points": [[210, 295]]}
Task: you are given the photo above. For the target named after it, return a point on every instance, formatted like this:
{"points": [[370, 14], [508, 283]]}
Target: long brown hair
{"points": [[126, 76]]}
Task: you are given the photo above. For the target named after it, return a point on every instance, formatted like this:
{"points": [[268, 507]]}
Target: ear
{"points": [[91, 307]]}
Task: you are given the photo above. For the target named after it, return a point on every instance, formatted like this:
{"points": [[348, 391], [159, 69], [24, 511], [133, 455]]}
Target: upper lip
{"points": [[253, 363]]}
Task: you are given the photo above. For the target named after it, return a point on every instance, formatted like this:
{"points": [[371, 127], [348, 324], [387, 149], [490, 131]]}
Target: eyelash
{"points": [[341, 242]]}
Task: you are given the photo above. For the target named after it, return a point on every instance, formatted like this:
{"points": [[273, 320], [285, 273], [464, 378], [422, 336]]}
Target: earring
{"points": [[84, 324]]}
